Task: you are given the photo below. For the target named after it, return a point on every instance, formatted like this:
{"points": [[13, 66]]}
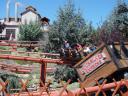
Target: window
{"points": [[10, 33]]}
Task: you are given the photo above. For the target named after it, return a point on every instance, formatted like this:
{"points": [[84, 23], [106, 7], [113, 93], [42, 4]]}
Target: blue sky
{"points": [[92, 10]]}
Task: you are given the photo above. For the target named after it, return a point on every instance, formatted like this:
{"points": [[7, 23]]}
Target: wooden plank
{"points": [[93, 62], [110, 65]]}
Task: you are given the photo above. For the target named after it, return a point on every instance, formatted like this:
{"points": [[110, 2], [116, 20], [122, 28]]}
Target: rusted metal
{"points": [[42, 61], [43, 72], [24, 88], [22, 69], [45, 87], [64, 92], [100, 88], [82, 88], [64, 88], [114, 87], [105, 87], [37, 60], [69, 93], [11, 41], [20, 45], [29, 53], [3, 89]]}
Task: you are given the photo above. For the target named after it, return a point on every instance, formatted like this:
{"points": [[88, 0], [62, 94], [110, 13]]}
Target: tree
{"points": [[70, 25], [91, 34], [30, 32], [115, 28]]}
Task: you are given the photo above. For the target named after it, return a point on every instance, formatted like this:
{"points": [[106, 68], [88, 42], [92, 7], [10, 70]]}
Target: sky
{"points": [[95, 11]]}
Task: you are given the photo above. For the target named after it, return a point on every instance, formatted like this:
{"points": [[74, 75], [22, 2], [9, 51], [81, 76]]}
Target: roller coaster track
{"points": [[22, 69], [28, 53], [40, 59], [21, 43], [114, 87], [10, 41]]}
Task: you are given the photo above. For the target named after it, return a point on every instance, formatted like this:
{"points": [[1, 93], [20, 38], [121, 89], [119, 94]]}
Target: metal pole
{"points": [[43, 73]]}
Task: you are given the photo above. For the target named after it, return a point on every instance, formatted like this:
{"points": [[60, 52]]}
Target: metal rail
{"points": [[114, 87]]}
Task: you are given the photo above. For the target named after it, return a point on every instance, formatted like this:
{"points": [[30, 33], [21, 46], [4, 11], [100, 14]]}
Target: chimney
{"points": [[7, 10], [16, 11]]}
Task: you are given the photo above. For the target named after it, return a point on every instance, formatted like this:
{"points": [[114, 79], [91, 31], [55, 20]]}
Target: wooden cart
{"points": [[108, 61]]}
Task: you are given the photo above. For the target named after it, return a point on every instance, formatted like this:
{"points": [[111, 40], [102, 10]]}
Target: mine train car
{"points": [[107, 62]]}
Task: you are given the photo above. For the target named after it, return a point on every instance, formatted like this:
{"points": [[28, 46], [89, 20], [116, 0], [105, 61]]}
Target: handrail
{"points": [[40, 53], [86, 91]]}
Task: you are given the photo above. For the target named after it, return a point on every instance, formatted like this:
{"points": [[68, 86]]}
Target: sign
{"points": [[92, 64]]}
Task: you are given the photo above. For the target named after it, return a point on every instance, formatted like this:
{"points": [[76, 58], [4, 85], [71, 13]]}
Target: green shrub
{"points": [[65, 72], [13, 81]]}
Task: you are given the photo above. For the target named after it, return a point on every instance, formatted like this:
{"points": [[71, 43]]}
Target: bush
{"points": [[64, 72], [13, 81], [30, 32]]}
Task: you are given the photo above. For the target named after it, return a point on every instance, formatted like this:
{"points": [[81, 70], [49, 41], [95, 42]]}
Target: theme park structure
{"points": [[94, 70]]}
